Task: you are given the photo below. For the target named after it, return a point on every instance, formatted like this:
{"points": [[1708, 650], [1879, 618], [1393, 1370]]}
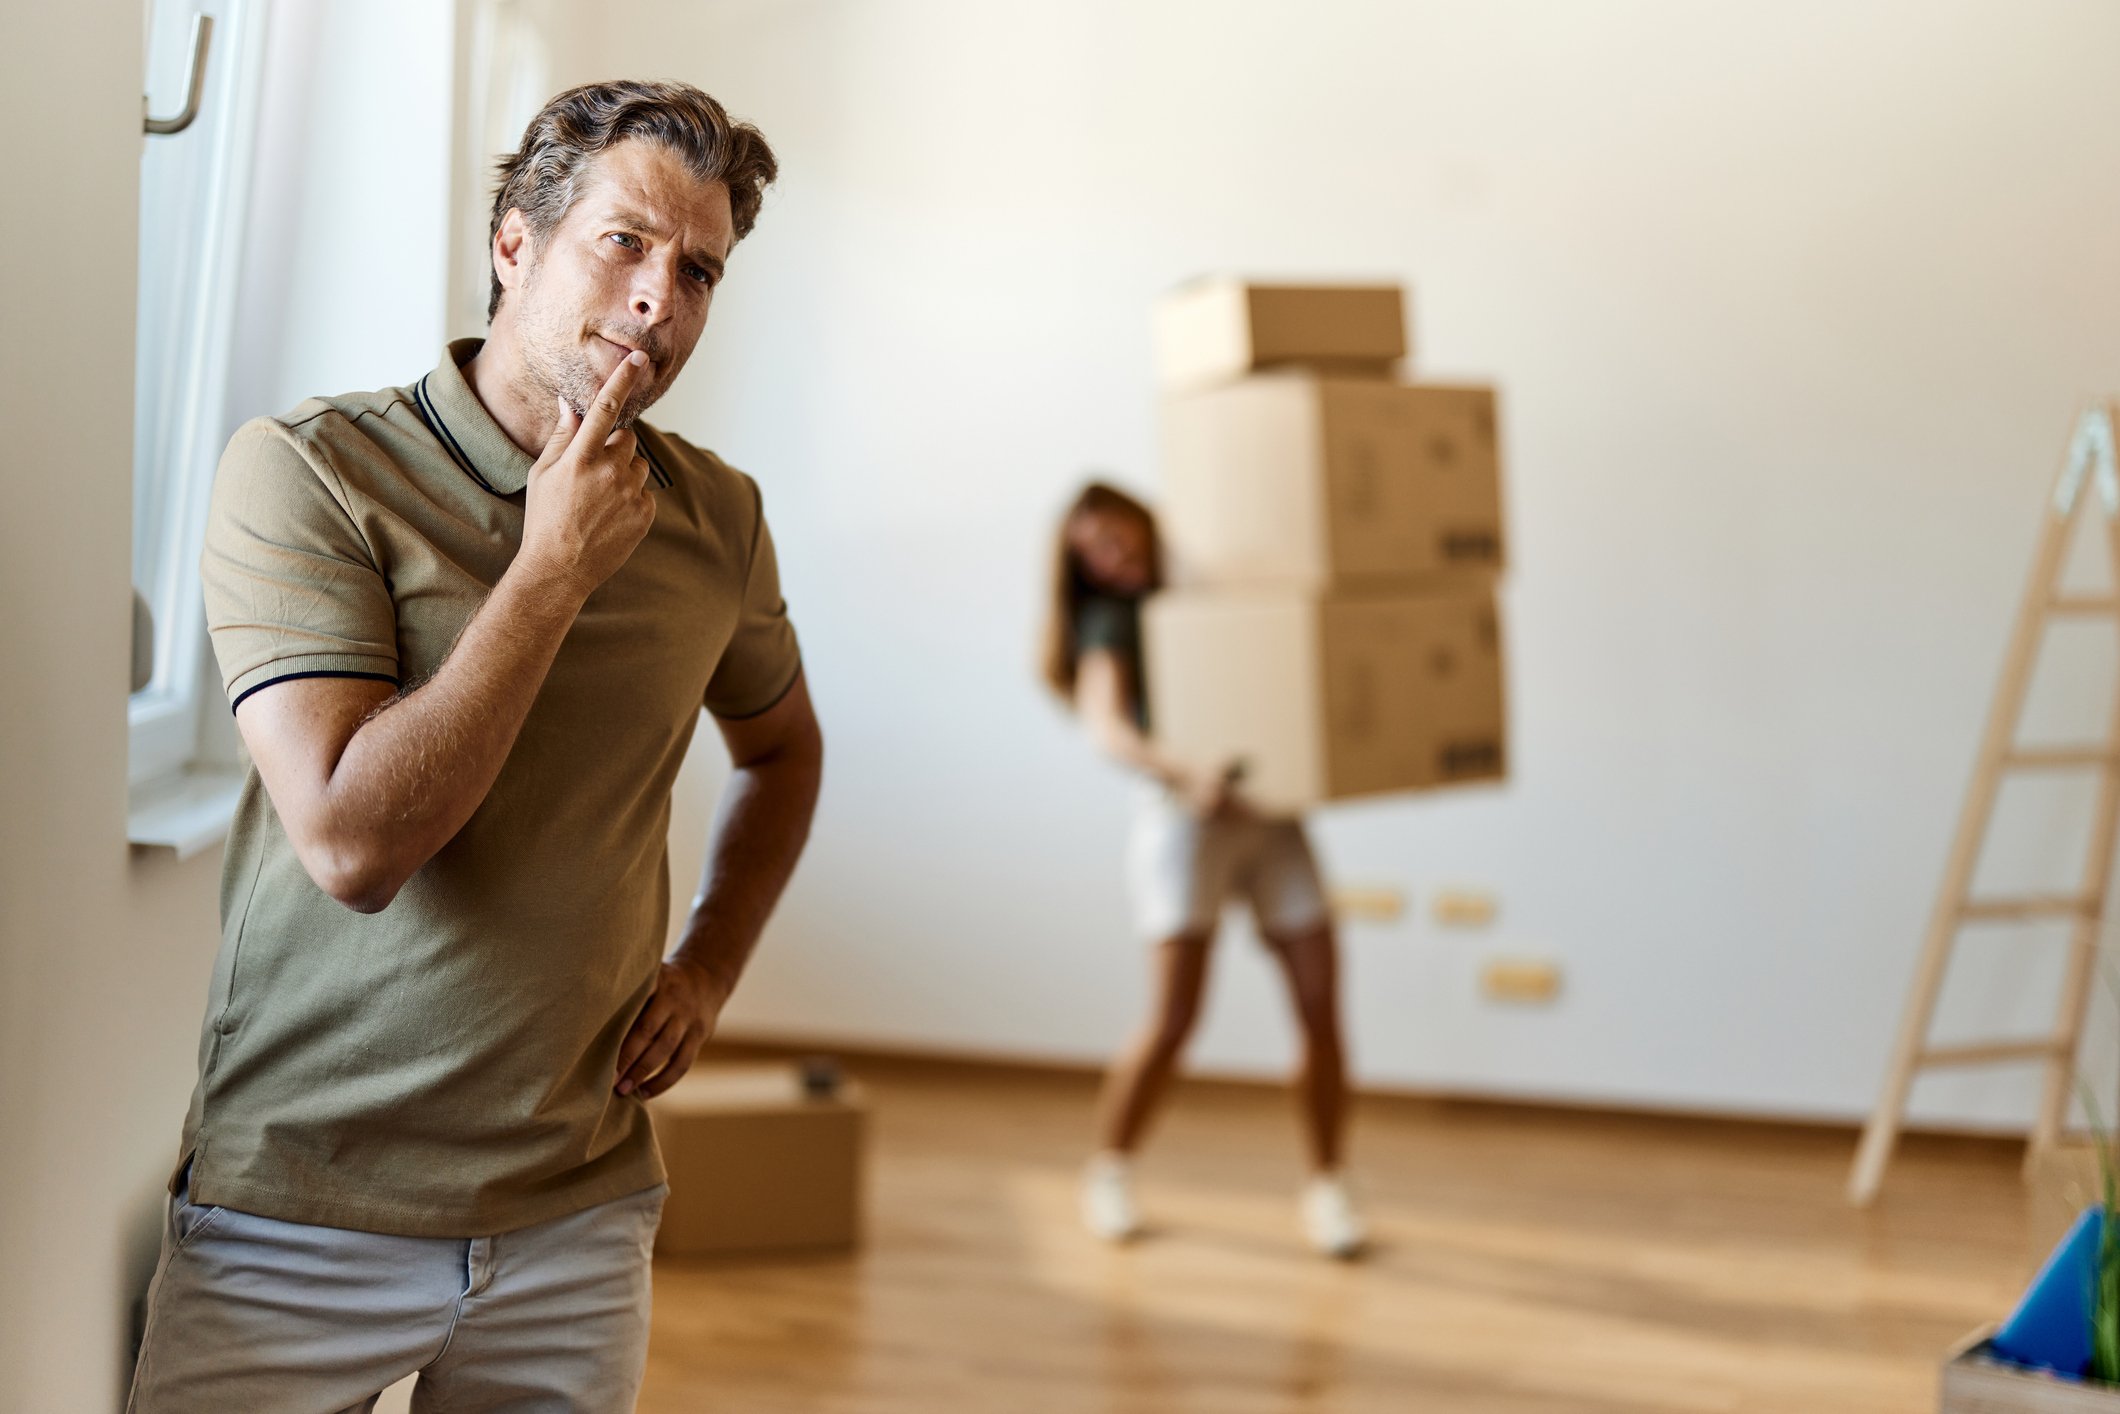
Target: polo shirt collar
{"points": [[465, 429], [475, 442]]}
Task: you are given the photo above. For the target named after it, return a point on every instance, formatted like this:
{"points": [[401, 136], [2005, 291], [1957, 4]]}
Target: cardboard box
{"points": [[1220, 328], [1975, 1382], [756, 1164], [1329, 696], [1299, 479]]}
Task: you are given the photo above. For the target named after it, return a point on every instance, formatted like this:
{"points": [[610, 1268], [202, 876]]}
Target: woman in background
{"points": [[1195, 844]]}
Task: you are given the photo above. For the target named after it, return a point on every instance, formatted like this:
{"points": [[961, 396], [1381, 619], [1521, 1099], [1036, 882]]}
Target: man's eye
{"points": [[626, 239], [695, 273]]}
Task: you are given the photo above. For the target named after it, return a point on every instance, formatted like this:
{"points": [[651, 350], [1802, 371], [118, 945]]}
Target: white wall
{"points": [[104, 954], [1791, 306]]}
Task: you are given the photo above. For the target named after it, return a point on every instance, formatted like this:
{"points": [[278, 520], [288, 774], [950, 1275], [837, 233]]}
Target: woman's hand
{"points": [[1210, 794], [1104, 697]]}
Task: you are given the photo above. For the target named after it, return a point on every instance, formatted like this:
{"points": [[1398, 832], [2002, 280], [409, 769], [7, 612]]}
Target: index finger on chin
{"points": [[602, 414]]}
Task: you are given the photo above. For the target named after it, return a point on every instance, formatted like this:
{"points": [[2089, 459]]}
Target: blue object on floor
{"points": [[2051, 1327]]}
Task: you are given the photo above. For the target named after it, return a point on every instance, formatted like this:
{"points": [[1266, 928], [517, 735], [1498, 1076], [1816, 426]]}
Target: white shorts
{"points": [[1181, 869]]}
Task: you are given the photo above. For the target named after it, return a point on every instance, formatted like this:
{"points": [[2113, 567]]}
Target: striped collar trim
{"points": [[475, 442], [424, 405], [656, 474]]}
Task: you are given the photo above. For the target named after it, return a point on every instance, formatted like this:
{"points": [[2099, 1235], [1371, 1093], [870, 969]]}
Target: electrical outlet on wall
{"points": [[1523, 980], [1368, 905], [1464, 908]]}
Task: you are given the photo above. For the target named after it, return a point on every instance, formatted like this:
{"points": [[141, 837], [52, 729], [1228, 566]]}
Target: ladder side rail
{"points": [[2007, 707], [2087, 932]]}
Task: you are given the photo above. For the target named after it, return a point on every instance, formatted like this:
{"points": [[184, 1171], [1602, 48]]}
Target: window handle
{"points": [[143, 642], [194, 87]]}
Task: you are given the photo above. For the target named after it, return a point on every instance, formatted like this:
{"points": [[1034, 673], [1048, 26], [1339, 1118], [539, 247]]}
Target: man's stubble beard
{"points": [[558, 363]]}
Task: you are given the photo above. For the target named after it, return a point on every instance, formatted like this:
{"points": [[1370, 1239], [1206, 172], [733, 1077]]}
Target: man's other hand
{"points": [[665, 1038]]}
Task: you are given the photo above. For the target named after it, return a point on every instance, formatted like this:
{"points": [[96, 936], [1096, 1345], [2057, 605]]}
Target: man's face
{"points": [[632, 265]]}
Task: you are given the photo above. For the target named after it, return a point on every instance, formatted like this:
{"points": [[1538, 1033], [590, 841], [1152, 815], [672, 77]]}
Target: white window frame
{"points": [[189, 271], [503, 77]]}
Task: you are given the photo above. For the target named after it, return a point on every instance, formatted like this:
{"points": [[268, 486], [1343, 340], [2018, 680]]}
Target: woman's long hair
{"points": [[1071, 583]]}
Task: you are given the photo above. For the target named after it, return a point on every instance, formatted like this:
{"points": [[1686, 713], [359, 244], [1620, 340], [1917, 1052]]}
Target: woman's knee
{"points": [[1182, 959], [1306, 953], [1309, 963], [1184, 978]]}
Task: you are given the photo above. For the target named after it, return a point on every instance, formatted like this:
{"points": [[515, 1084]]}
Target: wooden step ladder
{"points": [[2090, 463]]}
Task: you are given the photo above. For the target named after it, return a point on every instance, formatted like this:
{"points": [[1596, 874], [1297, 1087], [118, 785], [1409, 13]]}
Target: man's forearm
{"points": [[758, 836], [413, 773]]}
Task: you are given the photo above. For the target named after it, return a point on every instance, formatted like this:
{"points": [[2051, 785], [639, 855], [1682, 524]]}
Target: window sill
{"points": [[186, 814]]}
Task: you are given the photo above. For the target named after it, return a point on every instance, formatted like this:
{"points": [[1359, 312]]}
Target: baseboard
{"points": [[1075, 1069]]}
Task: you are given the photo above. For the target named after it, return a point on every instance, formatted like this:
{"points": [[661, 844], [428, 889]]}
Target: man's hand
{"points": [[665, 1038], [588, 504]]}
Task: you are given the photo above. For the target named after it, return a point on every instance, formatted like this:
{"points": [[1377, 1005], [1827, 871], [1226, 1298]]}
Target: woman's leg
{"points": [[1309, 959], [1142, 1072]]}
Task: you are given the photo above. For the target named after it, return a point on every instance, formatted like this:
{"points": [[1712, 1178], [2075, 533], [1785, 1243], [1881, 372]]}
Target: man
{"points": [[467, 627]]}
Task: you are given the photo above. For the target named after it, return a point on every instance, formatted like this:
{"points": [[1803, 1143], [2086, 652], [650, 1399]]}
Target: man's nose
{"points": [[654, 291]]}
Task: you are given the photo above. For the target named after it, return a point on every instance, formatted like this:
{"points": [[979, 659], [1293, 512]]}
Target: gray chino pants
{"points": [[252, 1313]]}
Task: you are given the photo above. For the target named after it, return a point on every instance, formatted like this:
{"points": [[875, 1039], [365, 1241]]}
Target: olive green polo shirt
{"points": [[444, 1067]]}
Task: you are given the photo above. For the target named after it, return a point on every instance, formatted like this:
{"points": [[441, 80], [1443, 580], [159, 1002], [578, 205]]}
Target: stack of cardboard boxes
{"points": [[1333, 537]]}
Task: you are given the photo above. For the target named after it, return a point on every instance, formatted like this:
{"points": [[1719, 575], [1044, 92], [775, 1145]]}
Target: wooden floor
{"points": [[1530, 1261]]}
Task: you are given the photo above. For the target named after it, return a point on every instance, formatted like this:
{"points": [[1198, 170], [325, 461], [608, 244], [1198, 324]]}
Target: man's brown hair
{"points": [[539, 177]]}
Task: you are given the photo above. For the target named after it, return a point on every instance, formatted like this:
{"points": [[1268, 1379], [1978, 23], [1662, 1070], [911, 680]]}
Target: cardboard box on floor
{"points": [[1329, 696], [1302, 479], [756, 1164], [1219, 328]]}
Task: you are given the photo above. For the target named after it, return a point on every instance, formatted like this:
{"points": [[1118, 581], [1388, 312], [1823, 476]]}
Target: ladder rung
{"points": [[2048, 757], [2083, 604], [2054, 906], [1984, 1052]]}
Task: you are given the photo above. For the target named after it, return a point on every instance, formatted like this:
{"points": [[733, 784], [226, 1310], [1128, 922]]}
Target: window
{"points": [[505, 82], [194, 195]]}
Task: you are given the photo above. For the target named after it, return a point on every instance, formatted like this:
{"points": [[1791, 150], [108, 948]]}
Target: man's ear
{"points": [[511, 249]]}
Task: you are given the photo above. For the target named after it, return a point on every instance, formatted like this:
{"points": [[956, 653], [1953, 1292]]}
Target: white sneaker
{"points": [[1108, 1198], [1330, 1221]]}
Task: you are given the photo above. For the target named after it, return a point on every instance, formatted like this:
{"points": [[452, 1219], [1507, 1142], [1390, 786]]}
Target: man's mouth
{"points": [[625, 348]]}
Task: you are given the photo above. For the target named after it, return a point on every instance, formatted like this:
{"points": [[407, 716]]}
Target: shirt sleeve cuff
{"points": [[736, 712], [311, 665]]}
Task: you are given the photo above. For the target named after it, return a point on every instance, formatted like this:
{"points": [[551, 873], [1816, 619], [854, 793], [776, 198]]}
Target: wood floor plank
{"points": [[1528, 1262]]}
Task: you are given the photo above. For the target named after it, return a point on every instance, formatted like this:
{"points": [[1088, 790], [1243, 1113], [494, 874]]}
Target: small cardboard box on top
{"points": [[1217, 328], [757, 1163], [1300, 479], [1327, 696]]}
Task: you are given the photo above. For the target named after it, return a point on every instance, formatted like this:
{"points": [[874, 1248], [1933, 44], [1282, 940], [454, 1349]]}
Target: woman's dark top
{"points": [[1113, 622]]}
